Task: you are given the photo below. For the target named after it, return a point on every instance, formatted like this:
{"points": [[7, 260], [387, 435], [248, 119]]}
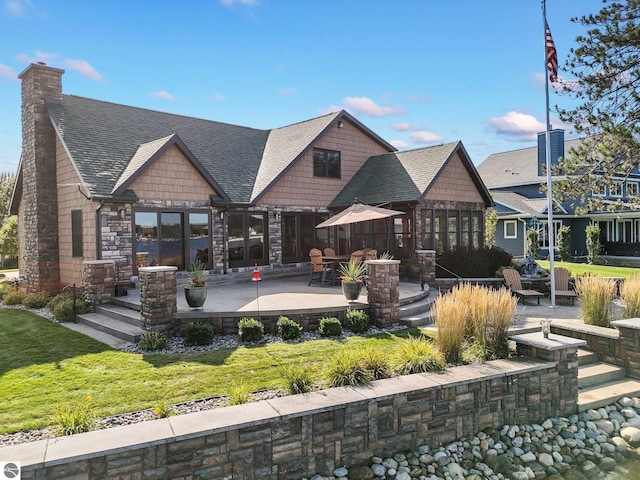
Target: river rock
{"points": [[546, 460], [631, 435], [379, 470], [607, 464], [341, 472]]}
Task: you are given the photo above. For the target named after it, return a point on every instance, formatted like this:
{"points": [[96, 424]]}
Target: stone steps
{"points": [[417, 313], [115, 327], [600, 383]]}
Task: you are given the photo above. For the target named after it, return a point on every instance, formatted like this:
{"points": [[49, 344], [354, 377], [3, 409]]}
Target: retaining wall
{"points": [[296, 436]]}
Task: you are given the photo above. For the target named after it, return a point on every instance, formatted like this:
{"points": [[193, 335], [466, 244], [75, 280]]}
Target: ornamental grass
{"points": [[630, 292], [595, 294]]}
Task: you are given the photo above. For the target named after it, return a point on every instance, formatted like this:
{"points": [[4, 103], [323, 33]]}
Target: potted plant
{"points": [[351, 275], [195, 292]]}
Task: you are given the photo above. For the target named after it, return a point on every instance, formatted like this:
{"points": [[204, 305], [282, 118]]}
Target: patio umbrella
{"points": [[358, 212]]}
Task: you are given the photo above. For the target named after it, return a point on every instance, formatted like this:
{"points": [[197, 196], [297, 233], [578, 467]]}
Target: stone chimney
{"points": [[556, 142], [39, 204]]}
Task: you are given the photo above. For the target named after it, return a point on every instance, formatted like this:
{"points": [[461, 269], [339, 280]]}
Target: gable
{"points": [[172, 177], [297, 186], [454, 183]]}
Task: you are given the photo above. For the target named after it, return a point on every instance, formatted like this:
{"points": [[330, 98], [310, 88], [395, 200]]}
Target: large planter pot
{"points": [[351, 290], [195, 296], [413, 272]]}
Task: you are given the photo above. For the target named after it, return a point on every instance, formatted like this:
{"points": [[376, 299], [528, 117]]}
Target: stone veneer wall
{"points": [[383, 291], [295, 436], [158, 303], [99, 281], [630, 345]]}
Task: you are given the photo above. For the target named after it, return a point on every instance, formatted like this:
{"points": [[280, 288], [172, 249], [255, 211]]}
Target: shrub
{"points": [[12, 297], [198, 334], [348, 368], [564, 243], [288, 329], [62, 307], [630, 292], [36, 300], [5, 288], [250, 330], [593, 244], [357, 321], [239, 394], [472, 262], [375, 361], [595, 294], [74, 418], [418, 355], [298, 378], [150, 341], [533, 242], [330, 327]]}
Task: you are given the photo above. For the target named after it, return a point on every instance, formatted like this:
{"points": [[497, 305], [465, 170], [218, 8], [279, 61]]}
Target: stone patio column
{"points": [[99, 281], [158, 302], [629, 346], [383, 291], [428, 262], [558, 388]]}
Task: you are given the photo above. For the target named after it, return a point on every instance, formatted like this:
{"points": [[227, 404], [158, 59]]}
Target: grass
{"points": [[579, 269], [44, 365]]}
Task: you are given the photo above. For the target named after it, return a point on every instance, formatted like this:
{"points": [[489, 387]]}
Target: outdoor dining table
{"points": [[336, 260]]}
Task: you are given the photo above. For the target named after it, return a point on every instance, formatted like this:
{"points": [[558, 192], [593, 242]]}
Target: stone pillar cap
{"points": [[157, 269], [554, 342], [382, 262]]}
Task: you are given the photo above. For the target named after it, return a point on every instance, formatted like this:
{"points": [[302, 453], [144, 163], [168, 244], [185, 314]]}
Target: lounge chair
{"points": [[512, 280], [319, 268], [562, 284]]}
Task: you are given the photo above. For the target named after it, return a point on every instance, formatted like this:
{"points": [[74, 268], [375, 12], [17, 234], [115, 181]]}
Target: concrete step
{"points": [[118, 312], [89, 331], [606, 393], [112, 326], [594, 374], [417, 320], [586, 357], [418, 312]]}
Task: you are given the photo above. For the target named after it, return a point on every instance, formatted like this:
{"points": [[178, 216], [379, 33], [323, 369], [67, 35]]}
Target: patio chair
{"points": [[319, 268], [371, 254], [512, 280], [357, 256], [562, 284], [329, 252]]}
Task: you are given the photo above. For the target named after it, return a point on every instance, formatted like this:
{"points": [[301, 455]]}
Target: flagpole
{"points": [[550, 229]]}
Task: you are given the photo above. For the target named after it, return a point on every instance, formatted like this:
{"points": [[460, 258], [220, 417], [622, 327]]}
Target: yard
{"points": [[43, 364]]}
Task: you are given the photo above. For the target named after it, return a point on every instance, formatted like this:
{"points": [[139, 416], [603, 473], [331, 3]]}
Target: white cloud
{"points": [[367, 106], [16, 7], [426, 137], [216, 97], [162, 94], [6, 71], [403, 127], [84, 68], [288, 91], [419, 98], [330, 109], [518, 126], [38, 57], [399, 144]]}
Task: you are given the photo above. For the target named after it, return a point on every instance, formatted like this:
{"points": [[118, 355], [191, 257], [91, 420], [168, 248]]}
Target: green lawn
{"points": [[576, 269], [43, 364]]}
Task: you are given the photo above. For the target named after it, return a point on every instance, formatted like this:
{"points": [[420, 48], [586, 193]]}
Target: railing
{"points": [[74, 297]]}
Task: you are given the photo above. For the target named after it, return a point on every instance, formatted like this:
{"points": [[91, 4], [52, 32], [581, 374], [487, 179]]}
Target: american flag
{"points": [[552, 55]]}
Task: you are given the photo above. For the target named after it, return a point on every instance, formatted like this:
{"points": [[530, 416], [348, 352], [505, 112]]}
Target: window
{"points": [[632, 189], [510, 229], [543, 233], [326, 163], [615, 189], [76, 233]]}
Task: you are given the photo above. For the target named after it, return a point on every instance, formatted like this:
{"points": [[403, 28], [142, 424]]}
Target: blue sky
{"points": [[416, 72]]}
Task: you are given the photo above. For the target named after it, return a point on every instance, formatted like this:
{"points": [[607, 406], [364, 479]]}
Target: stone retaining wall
{"points": [[296, 436], [604, 341]]}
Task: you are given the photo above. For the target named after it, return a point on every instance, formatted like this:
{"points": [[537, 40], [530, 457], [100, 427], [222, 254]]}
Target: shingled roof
{"points": [[110, 144], [403, 176]]}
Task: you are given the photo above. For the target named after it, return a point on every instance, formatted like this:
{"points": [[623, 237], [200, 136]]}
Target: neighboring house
{"points": [[514, 179], [101, 181]]}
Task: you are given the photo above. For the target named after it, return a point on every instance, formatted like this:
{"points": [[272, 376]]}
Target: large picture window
{"points": [[247, 238], [173, 238], [443, 230], [326, 163], [299, 235]]}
